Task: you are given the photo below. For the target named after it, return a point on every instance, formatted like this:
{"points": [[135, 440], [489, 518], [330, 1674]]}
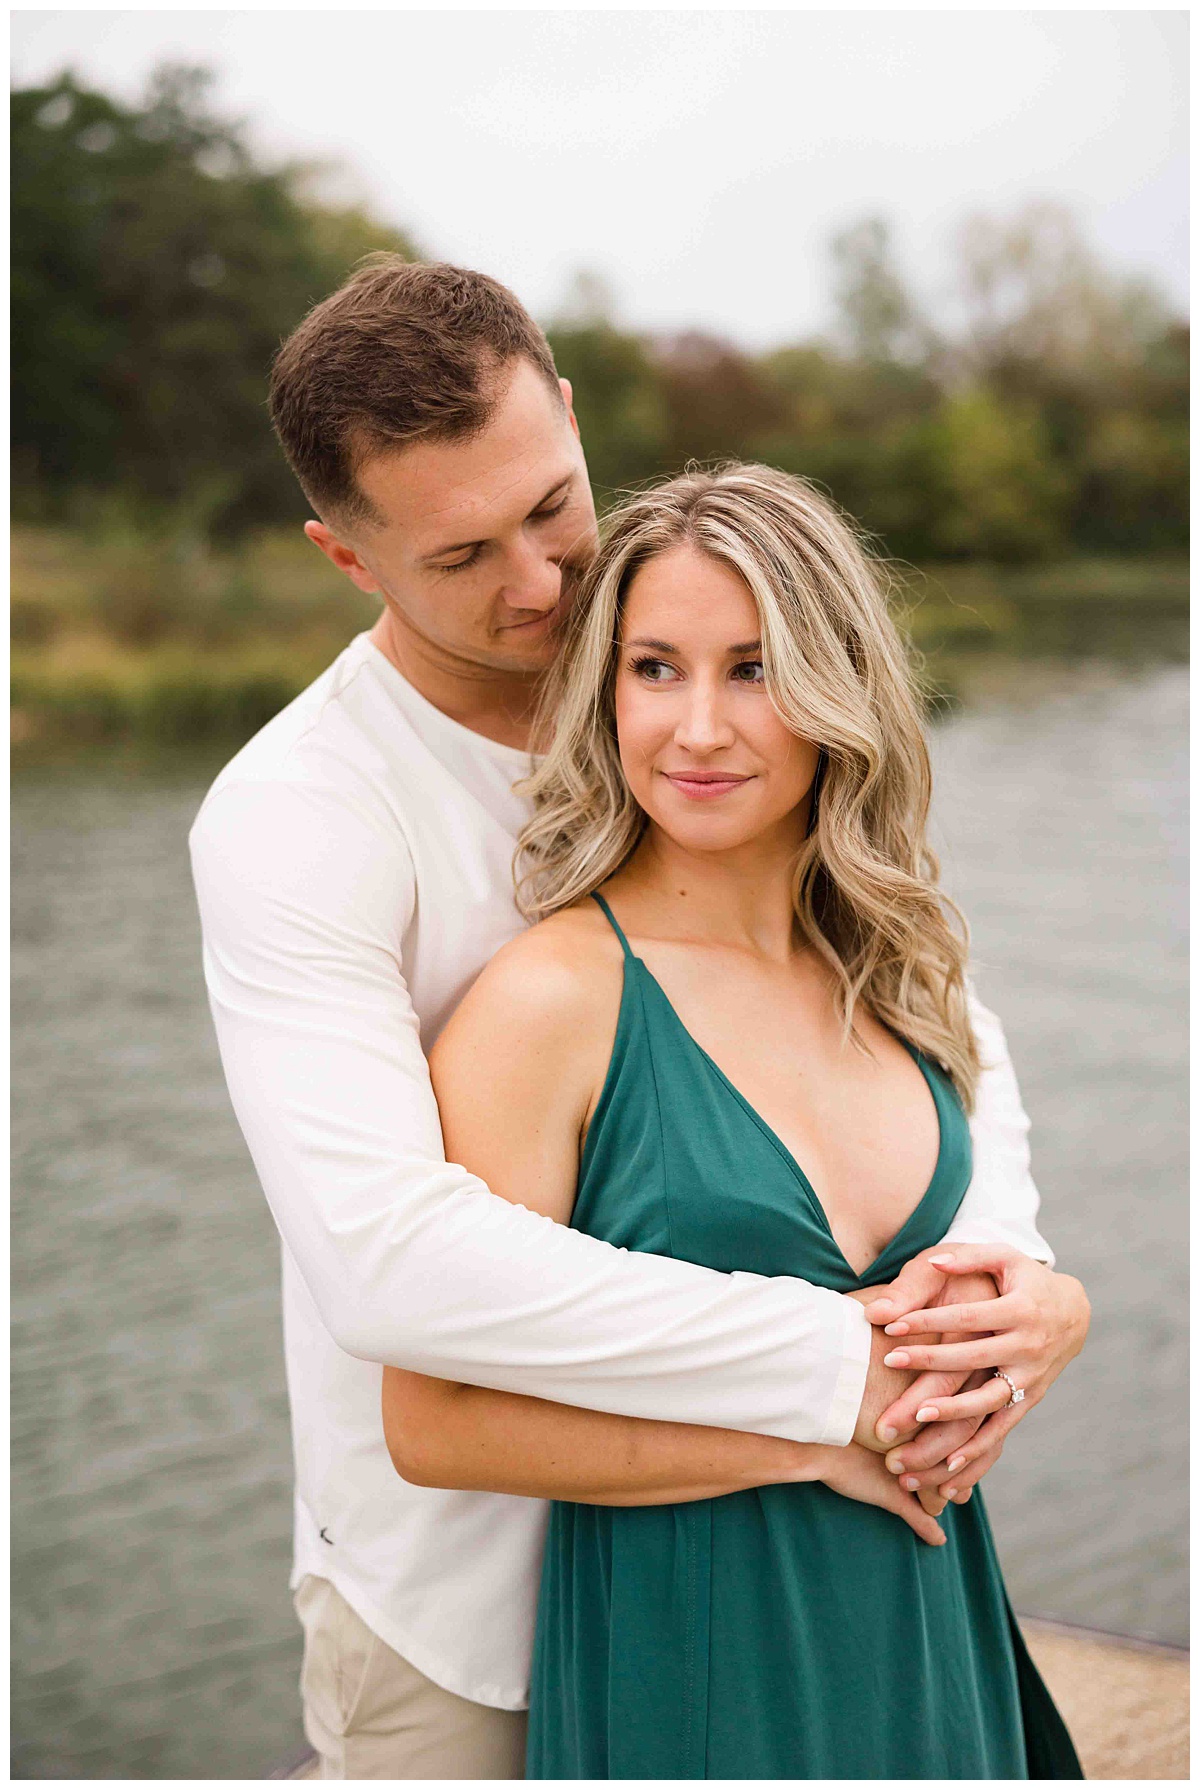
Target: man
{"points": [[353, 867]]}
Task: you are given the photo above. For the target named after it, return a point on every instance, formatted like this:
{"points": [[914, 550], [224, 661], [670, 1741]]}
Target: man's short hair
{"points": [[403, 352]]}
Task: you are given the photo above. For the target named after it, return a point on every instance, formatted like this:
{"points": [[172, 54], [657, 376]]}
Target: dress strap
{"points": [[612, 920]]}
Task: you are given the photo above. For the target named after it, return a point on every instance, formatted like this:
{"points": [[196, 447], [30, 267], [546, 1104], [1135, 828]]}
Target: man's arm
{"points": [[306, 897], [1001, 1204], [1039, 1319]]}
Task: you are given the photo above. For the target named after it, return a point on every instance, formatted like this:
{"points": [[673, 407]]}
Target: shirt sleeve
{"points": [[305, 897], [1001, 1203]]}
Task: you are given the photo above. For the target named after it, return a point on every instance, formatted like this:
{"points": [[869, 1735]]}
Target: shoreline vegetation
{"points": [[125, 642], [1026, 445]]}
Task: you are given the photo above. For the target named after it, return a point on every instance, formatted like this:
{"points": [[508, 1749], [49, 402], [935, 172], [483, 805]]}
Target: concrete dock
{"points": [[1124, 1701]]}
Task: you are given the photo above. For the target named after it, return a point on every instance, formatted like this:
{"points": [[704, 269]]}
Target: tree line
{"points": [[158, 262]]}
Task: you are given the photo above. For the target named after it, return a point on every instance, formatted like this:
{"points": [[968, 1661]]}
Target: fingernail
{"points": [[937, 1260], [894, 1466], [876, 1303], [897, 1358], [963, 1497], [910, 1483], [927, 1414], [886, 1433], [949, 1491], [899, 1328], [955, 1462]]}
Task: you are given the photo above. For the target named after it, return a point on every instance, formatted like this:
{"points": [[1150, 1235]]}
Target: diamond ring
{"points": [[1018, 1392]]}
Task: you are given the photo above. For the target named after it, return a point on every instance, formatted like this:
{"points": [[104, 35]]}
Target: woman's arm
{"points": [[517, 1072], [469, 1438]]}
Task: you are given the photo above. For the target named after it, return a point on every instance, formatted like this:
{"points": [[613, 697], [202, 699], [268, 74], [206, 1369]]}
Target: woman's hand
{"points": [[858, 1473], [1032, 1330], [922, 1459]]}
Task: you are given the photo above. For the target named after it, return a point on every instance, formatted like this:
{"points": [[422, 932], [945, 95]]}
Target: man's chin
{"points": [[532, 651]]}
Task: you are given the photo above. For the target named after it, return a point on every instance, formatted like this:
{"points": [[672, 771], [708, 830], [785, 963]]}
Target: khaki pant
{"points": [[369, 1714]]}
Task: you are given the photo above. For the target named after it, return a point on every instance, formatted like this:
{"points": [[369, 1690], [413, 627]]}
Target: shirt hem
{"points": [[400, 1641]]}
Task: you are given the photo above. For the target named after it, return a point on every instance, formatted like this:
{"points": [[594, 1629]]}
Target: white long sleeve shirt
{"points": [[353, 866]]}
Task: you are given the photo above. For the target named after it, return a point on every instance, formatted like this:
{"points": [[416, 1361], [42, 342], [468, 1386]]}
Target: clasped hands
{"points": [[954, 1314]]}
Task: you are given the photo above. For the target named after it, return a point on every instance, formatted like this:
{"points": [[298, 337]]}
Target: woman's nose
{"points": [[703, 725]]}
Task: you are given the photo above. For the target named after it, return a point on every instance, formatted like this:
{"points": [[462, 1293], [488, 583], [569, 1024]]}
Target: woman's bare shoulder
{"points": [[558, 977]]}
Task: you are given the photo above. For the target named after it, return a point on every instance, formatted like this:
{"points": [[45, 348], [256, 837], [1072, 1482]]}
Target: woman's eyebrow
{"points": [[461, 546], [733, 652]]}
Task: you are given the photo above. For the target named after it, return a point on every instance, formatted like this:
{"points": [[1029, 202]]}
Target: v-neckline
{"points": [[774, 1139]]}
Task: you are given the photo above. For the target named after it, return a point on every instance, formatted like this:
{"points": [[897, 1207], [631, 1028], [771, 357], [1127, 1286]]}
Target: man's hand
{"points": [[884, 1385], [860, 1474], [1036, 1325]]}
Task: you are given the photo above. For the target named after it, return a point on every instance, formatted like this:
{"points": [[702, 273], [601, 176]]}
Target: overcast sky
{"points": [[698, 161]]}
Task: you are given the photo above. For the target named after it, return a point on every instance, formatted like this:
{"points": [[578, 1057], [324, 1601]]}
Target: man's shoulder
{"points": [[309, 802], [317, 755], [312, 739]]}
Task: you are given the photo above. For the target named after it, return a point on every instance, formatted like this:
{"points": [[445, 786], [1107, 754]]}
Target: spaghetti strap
{"points": [[612, 920]]}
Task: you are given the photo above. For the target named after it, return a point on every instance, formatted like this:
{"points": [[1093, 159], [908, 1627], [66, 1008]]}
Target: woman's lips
{"points": [[701, 786]]}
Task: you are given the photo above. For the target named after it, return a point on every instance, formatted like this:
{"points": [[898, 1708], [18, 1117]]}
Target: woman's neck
{"points": [[740, 898]]}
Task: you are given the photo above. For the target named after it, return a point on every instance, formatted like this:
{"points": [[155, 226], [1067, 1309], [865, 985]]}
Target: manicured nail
{"points": [[877, 1303], [899, 1328], [886, 1433], [956, 1461], [910, 1483], [936, 1261], [927, 1414], [897, 1358]]}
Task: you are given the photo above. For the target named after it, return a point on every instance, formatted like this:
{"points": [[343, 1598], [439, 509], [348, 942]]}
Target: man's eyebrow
{"points": [[461, 546], [664, 646]]}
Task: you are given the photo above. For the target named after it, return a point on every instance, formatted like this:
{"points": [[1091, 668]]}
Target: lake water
{"points": [[153, 1634]]}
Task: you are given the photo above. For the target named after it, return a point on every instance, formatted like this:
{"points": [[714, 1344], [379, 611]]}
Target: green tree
{"points": [[156, 267], [992, 489], [619, 402], [879, 316]]}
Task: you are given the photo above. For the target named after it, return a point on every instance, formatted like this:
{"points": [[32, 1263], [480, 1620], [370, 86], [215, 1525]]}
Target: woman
{"points": [[751, 1049]]}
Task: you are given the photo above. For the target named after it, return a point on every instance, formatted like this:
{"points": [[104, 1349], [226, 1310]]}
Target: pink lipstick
{"points": [[702, 786]]}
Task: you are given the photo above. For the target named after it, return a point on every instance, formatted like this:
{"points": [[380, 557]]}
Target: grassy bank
{"points": [[124, 641]]}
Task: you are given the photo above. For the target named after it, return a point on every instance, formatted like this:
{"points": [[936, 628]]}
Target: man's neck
{"points": [[497, 705]]}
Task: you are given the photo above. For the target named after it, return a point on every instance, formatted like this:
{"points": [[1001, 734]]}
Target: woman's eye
{"points": [[654, 671], [754, 667]]}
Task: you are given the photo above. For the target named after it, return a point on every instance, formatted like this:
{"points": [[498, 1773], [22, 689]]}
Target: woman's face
{"points": [[705, 753]]}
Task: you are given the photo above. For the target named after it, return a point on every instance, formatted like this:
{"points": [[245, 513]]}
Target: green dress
{"points": [[784, 1632]]}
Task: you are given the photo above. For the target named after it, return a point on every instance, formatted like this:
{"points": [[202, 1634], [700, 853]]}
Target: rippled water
{"points": [[151, 1494]]}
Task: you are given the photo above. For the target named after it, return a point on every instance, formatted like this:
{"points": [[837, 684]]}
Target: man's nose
{"points": [[534, 582]]}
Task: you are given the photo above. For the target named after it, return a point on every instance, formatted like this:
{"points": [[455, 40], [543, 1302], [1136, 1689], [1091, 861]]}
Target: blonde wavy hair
{"points": [[865, 883]]}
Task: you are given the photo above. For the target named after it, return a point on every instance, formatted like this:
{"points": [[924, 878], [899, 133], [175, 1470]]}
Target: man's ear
{"points": [[564, 386], [344, 558]]}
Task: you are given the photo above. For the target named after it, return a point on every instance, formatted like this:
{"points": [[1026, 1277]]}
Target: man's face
{"points": [[482, 541]]}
